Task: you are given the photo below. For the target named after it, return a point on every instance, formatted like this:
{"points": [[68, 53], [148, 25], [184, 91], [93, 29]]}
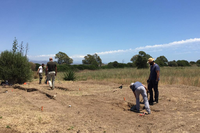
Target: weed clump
{"points": [[69, 75]]}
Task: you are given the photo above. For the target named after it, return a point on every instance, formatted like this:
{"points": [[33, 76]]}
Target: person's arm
{"points": [[134, 94], [38, 70], [56, 70], [46, 70], [145, 87], [158, 74]]}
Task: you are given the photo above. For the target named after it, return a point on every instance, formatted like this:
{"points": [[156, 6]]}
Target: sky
{"points": [[114, 29]]}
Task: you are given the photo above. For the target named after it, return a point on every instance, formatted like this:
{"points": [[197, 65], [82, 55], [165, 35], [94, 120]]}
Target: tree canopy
{"points": [[14, 66], [140, 60], [162, 61], [63, 58], [92, 60]]}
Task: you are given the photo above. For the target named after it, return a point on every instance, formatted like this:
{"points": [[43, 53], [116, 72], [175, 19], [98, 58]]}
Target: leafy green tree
{"points": [[140, 60], [192, 62], [198, 63], [14, 66], [172, 63], [162, 61], [133, 59], [183, 63], [32, 66], [63, 58], [92, 60], [15, 45], [37, 66]]}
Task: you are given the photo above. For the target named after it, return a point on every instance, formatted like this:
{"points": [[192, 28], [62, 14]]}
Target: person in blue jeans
{"points": [[153, 80], [138, 88]]}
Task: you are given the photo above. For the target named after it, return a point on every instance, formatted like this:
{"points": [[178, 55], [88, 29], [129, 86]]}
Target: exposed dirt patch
{"points": [[95, 107]]}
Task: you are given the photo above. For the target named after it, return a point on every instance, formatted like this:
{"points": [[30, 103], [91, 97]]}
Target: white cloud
{"points": [[77, 56], [172, 44], [112, 52], [42, 56], [192, 44]]}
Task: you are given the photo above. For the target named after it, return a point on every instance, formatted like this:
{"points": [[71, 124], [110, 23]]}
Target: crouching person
{"points": [[138, 88]]}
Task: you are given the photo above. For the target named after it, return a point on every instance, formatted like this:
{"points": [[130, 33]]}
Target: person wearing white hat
{"points": [[153, 80], [138, 88]]}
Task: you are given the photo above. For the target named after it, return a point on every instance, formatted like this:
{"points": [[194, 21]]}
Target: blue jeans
{"points": [[141, 90]]}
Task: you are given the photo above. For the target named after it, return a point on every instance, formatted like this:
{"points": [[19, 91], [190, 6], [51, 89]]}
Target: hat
{"points": [[150, 60], [131, 84]]}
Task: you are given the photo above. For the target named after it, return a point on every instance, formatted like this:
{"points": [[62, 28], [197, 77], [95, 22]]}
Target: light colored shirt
{"points": [[40, 69], [136, 85]]}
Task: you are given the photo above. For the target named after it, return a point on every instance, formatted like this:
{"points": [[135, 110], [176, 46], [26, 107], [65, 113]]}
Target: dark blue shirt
{"points": [[153, 74], [136, 85]]}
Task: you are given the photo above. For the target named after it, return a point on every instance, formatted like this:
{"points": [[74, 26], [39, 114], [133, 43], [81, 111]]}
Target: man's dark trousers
{"points": [[153, 84]]}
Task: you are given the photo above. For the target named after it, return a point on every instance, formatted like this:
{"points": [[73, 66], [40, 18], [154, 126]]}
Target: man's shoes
{"points": [[151, 103], [134, 109]]}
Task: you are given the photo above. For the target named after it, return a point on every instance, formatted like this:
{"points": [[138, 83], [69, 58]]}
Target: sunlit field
{"points": [[168, 75]]}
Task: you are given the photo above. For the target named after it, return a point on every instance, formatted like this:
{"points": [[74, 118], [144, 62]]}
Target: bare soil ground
{"points": [[96, 107]]}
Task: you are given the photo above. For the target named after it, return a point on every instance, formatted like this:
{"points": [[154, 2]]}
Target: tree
{"points": [[162, 61], [172, 63], [92, 60], [33, 65], [192, 62], [140, 60], [133, 59], [15, 45], [198, 63], [63, 58], [14, 66], [183, 63]]}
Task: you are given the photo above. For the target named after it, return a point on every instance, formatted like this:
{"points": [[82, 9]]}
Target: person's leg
{"points": [[150, 86], [156, 91], [144, 95], [53, 80], [40, 78], [49, 79], [137, 93]]}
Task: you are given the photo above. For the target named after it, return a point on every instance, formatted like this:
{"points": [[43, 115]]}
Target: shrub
{"points": [[32, 66], [37, 66], [69, 75], [63, 67], [198, 63], [14, 67]]}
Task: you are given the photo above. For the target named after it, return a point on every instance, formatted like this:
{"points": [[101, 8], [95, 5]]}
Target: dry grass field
{"points": [[96, 107]]}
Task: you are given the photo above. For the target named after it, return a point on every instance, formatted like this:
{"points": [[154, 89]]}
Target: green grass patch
{"points": [[168, 75]]}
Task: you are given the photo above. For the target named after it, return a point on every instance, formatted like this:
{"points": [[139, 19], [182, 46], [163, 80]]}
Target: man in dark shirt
{"points": [[51, 72], [153, 80], [138, 88]]}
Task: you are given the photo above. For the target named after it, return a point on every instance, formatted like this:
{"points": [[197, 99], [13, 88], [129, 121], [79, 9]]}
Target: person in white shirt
{"points": [[40, 71]]}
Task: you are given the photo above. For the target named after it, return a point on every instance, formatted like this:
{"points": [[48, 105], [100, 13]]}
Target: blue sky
{"points": [[114, 29]]}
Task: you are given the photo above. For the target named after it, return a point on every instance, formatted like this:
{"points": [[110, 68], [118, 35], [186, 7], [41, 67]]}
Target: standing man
{"points": [[51, 72], [138, 88], [153, 80], [40, 71]]}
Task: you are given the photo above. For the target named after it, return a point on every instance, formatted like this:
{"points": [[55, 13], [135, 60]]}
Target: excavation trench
{"points": [[34, 89]]}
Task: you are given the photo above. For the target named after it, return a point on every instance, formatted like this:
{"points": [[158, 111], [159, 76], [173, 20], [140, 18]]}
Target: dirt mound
{"points": [[95, 107]]}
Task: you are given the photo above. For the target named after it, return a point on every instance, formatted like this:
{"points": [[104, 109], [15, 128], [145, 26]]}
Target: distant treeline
{"points": [[115, 64], [93, 62]]}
